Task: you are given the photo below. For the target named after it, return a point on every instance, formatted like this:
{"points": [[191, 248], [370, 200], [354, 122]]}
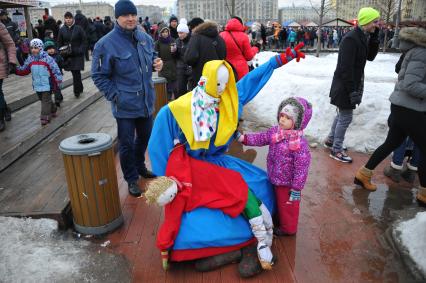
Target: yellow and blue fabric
{"points": [[204, 227], [228, 107]]}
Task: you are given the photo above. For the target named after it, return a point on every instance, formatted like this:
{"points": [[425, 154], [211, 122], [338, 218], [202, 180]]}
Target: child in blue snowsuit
{"points": [[46, 78]]}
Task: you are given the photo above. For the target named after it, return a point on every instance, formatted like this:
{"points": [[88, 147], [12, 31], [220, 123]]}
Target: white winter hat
{"points": [[183, 27], [37, 43]]}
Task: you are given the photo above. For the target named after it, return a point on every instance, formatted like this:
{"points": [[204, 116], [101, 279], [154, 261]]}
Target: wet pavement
{"points": [[344, 231]]}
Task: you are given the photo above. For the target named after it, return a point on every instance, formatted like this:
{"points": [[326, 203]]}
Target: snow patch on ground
{"points": [[311, 79], [412, 237], [32, 250]]}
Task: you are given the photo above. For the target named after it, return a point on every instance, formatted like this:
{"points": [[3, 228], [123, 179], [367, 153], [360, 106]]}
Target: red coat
{"points": [[202, 184], [238, 55]]}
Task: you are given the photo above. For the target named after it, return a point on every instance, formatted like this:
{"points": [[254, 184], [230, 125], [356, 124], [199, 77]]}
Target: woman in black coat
{"points": [[205, 45], [73, 34]]}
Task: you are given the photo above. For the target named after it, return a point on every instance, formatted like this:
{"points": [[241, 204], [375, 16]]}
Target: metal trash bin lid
{"points": [[83, 144], [159, 80]]}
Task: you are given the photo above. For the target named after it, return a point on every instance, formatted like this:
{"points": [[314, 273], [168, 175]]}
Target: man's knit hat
{"points": [[125, 7], [173, 18], [366, 15]]}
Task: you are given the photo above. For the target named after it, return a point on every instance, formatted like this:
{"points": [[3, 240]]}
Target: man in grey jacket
{"points": [[408, 110]]}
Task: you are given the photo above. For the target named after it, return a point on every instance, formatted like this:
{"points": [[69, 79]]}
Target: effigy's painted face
{"points": [[222, 79], [168, 195]]}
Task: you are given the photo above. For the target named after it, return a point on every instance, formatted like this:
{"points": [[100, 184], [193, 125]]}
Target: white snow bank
{"points": [[412, 236], [311, 79], [34, 251]]}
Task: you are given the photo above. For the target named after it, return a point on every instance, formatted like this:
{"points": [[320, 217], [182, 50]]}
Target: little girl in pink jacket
{"points": [[288, 159]]}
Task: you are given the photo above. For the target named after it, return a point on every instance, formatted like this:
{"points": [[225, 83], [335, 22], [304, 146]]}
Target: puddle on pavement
{"points": [[385, 208]]}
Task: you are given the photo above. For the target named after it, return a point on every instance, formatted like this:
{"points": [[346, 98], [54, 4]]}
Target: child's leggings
{"points": [[288, 211]]}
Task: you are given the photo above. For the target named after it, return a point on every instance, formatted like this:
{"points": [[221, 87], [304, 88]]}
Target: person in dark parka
{"points": [[205, 45], [73, 34], [358, 46], [184, 71]]}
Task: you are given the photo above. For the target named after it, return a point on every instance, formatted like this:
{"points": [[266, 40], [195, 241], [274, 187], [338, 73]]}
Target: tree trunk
{"points": [[385, 42]]}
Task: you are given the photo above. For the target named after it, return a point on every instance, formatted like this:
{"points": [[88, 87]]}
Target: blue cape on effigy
{"points": [[205, 228]]}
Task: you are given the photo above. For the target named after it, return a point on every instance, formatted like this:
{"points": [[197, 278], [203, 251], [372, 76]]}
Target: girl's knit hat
{"points": [[37, 43], [297, 109]]}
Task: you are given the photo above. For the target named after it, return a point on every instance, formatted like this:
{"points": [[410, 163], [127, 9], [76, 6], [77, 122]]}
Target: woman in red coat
{"points": [[238, 49]]}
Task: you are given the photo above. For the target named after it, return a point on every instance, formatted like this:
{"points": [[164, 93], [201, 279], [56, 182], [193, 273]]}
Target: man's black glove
{"points": [[355, 98], [12, 68], [375, 34]]}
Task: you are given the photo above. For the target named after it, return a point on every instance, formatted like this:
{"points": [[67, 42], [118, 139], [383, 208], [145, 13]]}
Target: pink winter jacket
{"points": [[285, 167]]}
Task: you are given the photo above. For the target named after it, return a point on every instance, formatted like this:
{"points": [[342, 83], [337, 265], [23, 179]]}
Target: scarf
{"points": [[204, 110], [227, 121], [293, 137]]}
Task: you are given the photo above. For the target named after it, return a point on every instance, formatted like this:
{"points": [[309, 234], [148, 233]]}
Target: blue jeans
{"points": [[2, 100], [338, 129], [132, 148], [399, 153]]}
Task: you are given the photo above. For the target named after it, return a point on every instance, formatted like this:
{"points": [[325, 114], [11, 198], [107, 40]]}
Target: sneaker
{"points": [[147, 174], [392, 173], [134, 190], [341, 156], [77, 94], [329, 144]]}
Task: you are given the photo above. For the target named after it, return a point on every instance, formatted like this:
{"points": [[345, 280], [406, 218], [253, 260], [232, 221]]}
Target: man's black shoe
{"points": [[134, 190], [147, 174], [7, 114]]}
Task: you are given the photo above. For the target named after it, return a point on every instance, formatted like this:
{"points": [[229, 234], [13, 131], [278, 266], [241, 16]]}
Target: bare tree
{"points": [[387, 8], [322, 10]]}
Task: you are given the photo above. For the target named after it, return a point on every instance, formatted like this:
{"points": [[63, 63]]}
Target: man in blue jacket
{"points": [[122, 69]]}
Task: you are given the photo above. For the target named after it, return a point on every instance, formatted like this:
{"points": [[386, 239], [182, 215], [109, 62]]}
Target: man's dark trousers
{"points": [[133, 136]]}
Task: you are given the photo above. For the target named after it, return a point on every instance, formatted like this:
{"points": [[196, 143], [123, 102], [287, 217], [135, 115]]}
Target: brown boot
{"points": [[363, 178], [421, 195]]}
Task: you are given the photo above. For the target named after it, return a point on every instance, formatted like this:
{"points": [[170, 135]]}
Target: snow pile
{"points": [[311, 79], [34, 251], [412, 237]]}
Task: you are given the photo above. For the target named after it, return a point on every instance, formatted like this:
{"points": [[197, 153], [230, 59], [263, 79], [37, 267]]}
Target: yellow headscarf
{"points": [[228, 107]]}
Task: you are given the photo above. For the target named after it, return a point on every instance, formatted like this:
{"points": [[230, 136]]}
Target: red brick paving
{"points": [[339, 240]]}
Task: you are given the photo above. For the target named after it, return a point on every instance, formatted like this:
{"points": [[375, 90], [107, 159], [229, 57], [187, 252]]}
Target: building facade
{"points": [[348, 9], [90, 10], [220, 10], [155, 13], [301, 14], [413, 10]]}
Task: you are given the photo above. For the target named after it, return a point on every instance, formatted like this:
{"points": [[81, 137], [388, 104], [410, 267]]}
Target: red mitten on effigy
{"points": [[290, 54]]}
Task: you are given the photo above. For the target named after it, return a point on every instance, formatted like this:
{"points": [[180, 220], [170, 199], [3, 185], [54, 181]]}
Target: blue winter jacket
{"points": [[122, 70], [44, 70]]}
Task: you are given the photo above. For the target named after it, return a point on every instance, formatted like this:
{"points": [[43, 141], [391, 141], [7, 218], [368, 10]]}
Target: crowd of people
{"points": [[57, 46]]}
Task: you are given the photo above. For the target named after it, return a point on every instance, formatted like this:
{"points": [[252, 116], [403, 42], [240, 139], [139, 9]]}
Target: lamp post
{"points": [[395, 41]]}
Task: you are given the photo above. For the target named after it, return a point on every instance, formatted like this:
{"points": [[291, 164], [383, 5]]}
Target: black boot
{"points": [[249, 265], [409, 175], [2, 123], [214, 262], [7, 114]]}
